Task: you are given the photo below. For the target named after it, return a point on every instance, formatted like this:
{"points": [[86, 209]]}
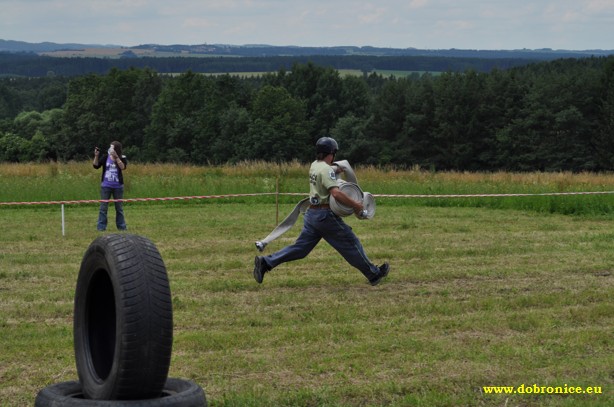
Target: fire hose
{"points": [[349, 186]]}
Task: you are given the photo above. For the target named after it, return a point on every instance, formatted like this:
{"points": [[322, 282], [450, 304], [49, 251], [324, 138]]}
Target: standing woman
{"points": [[113, 164]]}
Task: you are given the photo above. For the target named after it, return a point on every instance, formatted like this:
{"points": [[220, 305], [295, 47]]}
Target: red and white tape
{"points": [[176, 198], [184, 198], [493, 195]]}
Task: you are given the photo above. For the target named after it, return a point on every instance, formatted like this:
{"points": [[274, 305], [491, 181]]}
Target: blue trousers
{"points": [[324, 224], [120, 221]]}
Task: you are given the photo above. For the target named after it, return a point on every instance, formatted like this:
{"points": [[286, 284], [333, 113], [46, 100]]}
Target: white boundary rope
{"points": [[277, 194], [185, 198], [86, 201], [494, 195], [176, 198]]}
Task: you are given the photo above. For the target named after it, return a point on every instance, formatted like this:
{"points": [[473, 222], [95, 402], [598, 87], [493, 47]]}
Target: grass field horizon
{"points": [[483, 291]]}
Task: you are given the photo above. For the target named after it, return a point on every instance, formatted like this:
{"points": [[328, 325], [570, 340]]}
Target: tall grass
{"points": [[77, 181]]}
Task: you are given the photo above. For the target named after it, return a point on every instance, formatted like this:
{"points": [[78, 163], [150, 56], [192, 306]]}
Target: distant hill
{"points": [[41, 47], [44, 59], [257, 50]]}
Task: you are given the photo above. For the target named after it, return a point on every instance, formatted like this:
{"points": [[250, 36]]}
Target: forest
{"points": [[32, 65], [547, 116]]}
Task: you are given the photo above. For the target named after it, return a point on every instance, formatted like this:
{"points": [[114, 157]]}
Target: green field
{"points": [[513, 291], [384, 73]]}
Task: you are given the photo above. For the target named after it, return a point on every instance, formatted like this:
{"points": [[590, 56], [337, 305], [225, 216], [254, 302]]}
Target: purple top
{"points": [[111, 174]]}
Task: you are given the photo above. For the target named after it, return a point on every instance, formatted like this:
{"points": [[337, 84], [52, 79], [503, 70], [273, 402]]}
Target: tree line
{"points": [[33, 65], [548, 116]]}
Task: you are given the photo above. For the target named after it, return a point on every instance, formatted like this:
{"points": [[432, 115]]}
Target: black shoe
{"points": [[383, 272], [260, 267]]}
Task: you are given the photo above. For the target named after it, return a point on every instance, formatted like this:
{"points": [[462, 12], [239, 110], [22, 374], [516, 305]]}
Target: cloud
{"points": [[599, 6], [371, 14], [573, 24], [418, 4], [196, 22]]}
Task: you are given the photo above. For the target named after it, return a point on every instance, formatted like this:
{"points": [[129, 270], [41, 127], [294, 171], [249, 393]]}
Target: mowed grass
{"points": [[477, 296]]}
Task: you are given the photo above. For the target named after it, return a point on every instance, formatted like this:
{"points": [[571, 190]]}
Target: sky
{"points": [[423, 24]]}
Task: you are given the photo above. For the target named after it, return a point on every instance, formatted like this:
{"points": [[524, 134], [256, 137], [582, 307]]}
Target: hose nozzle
{"points": [[260, 246]]}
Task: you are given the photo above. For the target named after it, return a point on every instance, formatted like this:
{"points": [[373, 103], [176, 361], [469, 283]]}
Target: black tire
{"points": [[176, 393], [123, 319]]}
